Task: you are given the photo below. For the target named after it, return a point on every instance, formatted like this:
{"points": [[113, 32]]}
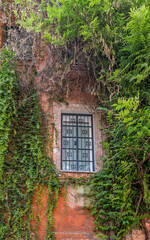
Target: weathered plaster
{"points": [[71, 221]]}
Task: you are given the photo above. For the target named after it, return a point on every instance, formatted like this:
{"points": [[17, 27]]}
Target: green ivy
{"points": [[119, 194], [7, 103], [25, 163], [113, 39]]}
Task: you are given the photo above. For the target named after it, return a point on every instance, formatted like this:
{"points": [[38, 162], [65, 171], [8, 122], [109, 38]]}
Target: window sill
{"points": [[76, 172]]}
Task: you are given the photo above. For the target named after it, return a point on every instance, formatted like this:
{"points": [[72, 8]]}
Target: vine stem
{"points": [[137, 209]]}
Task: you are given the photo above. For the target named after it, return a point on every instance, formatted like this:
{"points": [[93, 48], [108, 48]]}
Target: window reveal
{"points": [[77, 151]]}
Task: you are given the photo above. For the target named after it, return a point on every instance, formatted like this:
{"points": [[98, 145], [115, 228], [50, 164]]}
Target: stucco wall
{"points": [[70, 220]]}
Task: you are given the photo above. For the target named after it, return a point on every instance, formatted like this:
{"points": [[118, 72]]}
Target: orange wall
{"points": [[70, 219]]}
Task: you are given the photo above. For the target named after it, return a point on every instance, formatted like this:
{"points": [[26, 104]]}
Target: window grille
{"points": [[77, 148]]}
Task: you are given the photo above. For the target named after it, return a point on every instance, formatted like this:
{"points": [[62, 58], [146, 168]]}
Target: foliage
{"points": [[87, 33], [25, 162], [7, 103], [110, 40], [135, 60], [119, 194]]}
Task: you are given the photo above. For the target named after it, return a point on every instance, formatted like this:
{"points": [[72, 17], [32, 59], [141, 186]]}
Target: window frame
{"points": [[92, 138]]}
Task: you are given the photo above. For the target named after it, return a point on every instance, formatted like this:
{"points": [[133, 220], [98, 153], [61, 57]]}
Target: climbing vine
{"points": [[119, 194], [26, 165], [109, 41], [7, 103]]}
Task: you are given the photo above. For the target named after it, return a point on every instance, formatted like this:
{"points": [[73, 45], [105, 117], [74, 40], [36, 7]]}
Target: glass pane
{"points": [[65, 165], [69, 120], [84, 121], [72, 120], [73, 166], [69, 154], [84, 166], [85, 155], [84, 132], [69, 143], [68, 131], [84, 143], [69, 165]]}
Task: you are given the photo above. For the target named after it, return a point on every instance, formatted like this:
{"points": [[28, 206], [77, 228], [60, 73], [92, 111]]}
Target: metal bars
{"points": [[77, 148]]}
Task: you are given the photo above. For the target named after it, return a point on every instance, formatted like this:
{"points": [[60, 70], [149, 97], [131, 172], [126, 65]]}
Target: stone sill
{"points": [[63, 171]]}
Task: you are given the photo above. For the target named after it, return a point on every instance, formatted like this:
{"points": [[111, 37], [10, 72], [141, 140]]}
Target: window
{"points": [[77, 151]]}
